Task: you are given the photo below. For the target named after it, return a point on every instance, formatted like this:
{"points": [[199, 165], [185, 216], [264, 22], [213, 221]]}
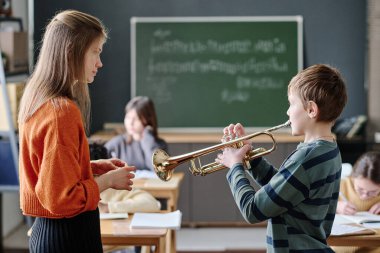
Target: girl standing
{"points": [[57, 185]]}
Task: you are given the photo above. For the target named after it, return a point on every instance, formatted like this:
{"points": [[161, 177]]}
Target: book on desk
{"points": [[171, 220], [345, 225], [363, 217]]}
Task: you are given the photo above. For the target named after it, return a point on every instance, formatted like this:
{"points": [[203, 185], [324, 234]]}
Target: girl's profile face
{"points": [[133, 124], [92, 60], [365, 188]]}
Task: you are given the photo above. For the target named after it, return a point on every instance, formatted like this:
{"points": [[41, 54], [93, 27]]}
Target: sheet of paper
{"points": [[339, 219], [145, 174], [361, 217], [170, 220], [111, 216], [343, 229], [375, 225]]}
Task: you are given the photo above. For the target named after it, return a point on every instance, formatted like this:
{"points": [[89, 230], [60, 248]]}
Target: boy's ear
{"points": [[312, 109]]}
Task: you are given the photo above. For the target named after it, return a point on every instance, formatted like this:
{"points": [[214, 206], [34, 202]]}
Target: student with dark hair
{"points": [[140, 140]]}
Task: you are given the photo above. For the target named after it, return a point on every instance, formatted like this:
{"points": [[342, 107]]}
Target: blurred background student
{"points": [[362, 188], [140, 140], [361, 192]]}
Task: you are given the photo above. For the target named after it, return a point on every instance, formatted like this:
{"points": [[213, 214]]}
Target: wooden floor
{"points": [[189, 240], [16, 251], [227, 251]]}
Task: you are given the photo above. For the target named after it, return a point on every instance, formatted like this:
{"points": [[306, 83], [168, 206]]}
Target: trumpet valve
{"points": [[193, 168]]}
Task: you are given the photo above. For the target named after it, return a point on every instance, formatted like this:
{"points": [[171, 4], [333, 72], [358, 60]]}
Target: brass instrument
{"points": [[164, 165]]}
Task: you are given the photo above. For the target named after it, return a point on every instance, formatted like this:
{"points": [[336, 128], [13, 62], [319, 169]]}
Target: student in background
{"points": [[56, 176], [361, 192], [299, 199], [137, 145]]}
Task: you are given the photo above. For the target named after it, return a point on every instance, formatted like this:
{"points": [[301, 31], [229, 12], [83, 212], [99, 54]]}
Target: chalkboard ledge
{"points": [[112, 129], [216, 138]]}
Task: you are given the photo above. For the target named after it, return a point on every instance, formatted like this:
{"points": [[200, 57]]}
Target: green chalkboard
{"points": [[211, 71]]}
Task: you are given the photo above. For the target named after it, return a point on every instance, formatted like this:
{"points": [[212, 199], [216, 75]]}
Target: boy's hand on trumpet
{"points": [[232, 156], [232, 132]]}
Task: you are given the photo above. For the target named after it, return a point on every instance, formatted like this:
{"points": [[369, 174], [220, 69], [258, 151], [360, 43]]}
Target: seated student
{"points": [[137, 145], [362, 187], [362, 192]]}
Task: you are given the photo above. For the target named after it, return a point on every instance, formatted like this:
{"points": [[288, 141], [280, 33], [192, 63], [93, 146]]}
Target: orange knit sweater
{"points": [[56, 180]]}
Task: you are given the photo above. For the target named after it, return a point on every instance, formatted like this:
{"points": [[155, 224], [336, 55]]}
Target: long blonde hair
{"points": [[59, 71]]}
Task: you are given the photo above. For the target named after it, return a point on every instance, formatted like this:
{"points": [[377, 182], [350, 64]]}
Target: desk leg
{"points": [[1, 224], [162, 245], [171, 241], [173, 245], [146, 249]]}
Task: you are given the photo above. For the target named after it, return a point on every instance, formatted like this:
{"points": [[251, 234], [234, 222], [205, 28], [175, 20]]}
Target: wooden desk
{"points": [[118, 232], [168, 190], [356, 240]]}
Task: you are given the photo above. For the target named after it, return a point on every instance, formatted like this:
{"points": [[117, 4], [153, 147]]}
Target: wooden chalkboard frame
{"points": [[298, 19]]}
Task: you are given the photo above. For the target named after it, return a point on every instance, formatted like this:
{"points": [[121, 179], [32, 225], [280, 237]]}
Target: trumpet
{"points": [[164, 165]]}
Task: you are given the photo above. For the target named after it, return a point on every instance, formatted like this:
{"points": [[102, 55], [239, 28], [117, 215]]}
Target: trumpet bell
{"points": [[160, 164]]}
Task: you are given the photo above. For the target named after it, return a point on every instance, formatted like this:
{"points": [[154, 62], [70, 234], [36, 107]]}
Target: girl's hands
{"points": [[101, 166], [345, 207], [375, 209], [115, 174], [121, 178]]}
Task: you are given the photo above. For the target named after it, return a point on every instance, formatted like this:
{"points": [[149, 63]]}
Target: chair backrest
{"points": [[346, 170]]}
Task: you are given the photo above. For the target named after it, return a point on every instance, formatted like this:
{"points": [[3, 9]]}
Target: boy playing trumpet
{"points": [[299, 199]]}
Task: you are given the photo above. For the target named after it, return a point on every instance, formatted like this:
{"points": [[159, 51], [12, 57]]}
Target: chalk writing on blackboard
{"points": [[214, 65]]}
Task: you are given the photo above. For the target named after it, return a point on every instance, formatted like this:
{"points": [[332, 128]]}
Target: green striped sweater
{"points": [[298, 200]]}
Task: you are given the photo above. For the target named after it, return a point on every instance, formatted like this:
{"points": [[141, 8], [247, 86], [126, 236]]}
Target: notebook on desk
{"points": [[113, 216], [343, 226], [363, 217], [170, 220], [347, 229]]}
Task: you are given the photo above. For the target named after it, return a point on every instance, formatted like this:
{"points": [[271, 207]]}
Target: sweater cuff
{"points": [[233, 169], [93, 194]]}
